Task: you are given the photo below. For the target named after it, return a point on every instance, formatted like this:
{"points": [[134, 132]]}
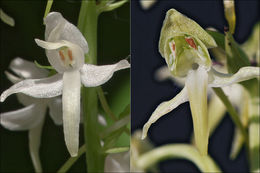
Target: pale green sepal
{"points": [[6, 19], [197, 84], [217, 79], [175, 23], [164, 108], [177, 151]]}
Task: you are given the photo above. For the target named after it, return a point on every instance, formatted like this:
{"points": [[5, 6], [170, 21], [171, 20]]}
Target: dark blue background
{"points": [[147, 94]]}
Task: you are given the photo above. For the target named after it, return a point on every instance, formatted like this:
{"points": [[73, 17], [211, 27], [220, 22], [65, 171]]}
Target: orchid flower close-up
{"points": [[183, 44], [65, 49], [32, 116]]}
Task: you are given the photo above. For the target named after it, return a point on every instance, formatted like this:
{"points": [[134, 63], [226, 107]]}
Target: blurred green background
{"points": [[113, 45]]}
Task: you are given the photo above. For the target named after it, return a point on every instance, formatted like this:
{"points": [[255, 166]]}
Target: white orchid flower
{"points": [[32, 116], [183, 44], [65, 48]]}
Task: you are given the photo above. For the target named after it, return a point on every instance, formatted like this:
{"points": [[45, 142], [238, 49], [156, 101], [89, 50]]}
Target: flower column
{"points": [[87, 24]]}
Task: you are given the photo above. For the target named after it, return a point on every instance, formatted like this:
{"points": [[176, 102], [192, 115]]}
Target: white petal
{"points": [[62, 65], [71, 110], [55, 107], [164, 108], [26, 69], [22, 98], [92, 75], [217, 79], [39, 88], [197, 83], [34, 146], [67, 32], [119, 162], [23, 119], [12, 78]]}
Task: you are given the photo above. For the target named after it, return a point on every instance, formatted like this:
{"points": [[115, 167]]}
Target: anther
{"points": [[61, 55], [191, 42], [70, 54]]}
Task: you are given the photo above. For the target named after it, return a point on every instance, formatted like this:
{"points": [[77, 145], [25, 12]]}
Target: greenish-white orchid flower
{"points": [[183, 44], [65, 48], [117, 162], [32, 116]]}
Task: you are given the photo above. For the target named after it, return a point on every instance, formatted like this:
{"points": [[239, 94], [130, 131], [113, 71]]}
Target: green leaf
{"points": [[236, 57], [218, 37]]}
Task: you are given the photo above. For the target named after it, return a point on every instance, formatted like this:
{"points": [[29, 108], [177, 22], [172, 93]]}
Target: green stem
{"points": [[87, 24], [104, 104], [66, 166], [232, 112]]}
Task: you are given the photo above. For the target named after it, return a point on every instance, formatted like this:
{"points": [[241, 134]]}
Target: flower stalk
{"points": [[87, 24]]}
